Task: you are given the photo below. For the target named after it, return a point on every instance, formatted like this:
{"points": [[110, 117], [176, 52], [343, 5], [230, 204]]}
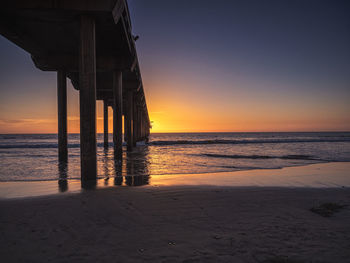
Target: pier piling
{"points": [[130, 122], [105, 124], [62, 116], [134, 124], [87, 96], [118, 114]]}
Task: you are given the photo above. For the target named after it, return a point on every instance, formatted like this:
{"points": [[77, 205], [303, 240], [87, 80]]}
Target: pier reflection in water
{"points": [[62, 181], [132, 170]]}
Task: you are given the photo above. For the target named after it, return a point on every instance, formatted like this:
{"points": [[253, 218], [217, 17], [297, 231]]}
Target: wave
{"points": [[202, 142], [35, 146], [44, 146], [286, 157], [180, 142]]}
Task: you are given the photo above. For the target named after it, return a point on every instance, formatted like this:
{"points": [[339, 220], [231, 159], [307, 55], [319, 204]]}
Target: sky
{"points": [[212, 66]]}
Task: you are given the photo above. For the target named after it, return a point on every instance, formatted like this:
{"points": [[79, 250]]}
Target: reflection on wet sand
{"points": [[118, 180], [62, 181], [137, 172], [132, 170], [88, 184], [326, 175]]}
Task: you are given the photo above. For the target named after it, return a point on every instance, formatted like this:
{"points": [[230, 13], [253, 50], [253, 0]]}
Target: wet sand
{"points": [[177, 224], [322, 175]]}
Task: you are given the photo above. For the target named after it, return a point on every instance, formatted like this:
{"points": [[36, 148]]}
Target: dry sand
{"points": [[177, 224]]}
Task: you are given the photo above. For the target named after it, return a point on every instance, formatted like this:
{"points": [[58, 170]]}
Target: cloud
{"points": [[26, 121], [10, 121]]}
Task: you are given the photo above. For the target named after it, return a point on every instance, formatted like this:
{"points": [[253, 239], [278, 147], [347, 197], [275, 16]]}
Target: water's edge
{"points": [[323, 175]]}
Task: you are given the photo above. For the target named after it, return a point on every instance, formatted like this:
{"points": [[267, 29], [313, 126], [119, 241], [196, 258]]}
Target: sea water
{"points": [[33, 157]]}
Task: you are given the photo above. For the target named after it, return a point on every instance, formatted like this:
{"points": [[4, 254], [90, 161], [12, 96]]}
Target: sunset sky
{"points": [[212, 66]]}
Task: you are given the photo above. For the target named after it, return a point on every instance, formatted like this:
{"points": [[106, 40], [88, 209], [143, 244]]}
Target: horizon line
{"points": [[322, 131]]}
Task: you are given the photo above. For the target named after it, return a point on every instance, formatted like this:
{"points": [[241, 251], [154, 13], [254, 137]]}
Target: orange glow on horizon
{"points": [[162, 124], [184, 120], [203, 113]]}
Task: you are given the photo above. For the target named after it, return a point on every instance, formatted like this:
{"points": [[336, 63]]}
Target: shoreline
{"points": [[321, 175], [238, 217]]}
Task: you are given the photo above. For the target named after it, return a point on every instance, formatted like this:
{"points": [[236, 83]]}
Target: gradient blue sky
{"points": [[213, 66]]}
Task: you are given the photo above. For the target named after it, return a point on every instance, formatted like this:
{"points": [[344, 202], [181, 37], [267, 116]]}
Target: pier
{"points": [[91, 43]]}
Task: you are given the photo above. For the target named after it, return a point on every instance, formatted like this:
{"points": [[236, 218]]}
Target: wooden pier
{"points": [[90, 42]]}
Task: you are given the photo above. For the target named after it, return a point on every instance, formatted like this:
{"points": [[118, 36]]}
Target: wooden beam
{"points": [[87, 83], [62, 116], [54, 62], [118, 10], [20, 37], [128, 36], [77, 5]]}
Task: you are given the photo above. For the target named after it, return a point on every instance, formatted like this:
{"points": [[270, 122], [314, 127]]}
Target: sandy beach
{"points": [[177, 224]]}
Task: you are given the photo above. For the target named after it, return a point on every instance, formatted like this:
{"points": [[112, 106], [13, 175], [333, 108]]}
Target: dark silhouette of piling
{"points": [[87, 84], [118, 114], [129, 120], [105, 124], [62, 116]]}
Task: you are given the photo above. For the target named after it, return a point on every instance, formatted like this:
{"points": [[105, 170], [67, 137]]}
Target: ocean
{"points": [[33, 157]]}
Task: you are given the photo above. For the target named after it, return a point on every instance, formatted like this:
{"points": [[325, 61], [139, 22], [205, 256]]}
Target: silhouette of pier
{"points": [[91, 43]]}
